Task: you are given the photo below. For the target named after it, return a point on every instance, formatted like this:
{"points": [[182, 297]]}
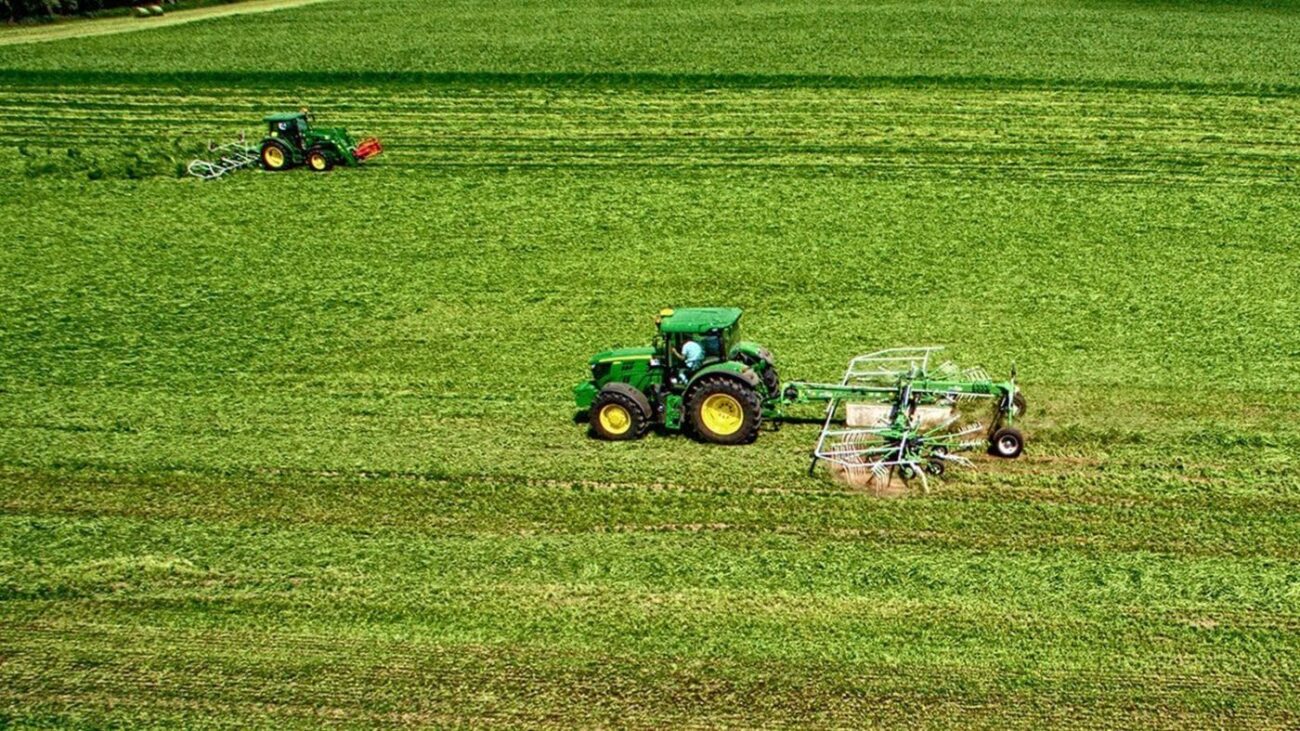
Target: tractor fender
{"points": [[760, 359], [295, 155], [633, 393], [752, 350], [730, 369]]}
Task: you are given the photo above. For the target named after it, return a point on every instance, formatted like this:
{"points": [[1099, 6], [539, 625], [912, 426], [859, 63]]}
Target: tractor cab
{"points": [[714, 328], [291, 127]]}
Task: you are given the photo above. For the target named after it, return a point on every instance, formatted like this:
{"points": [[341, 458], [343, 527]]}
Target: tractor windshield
{"points": [[713, 344], [289, 130]]}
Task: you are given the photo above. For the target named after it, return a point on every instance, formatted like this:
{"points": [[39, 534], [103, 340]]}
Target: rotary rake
{"points": [[230, 157], [907, 419], [902, 447]]}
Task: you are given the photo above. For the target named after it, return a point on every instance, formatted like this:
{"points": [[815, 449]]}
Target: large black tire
{"points": [[1007, 443], [771, 380], [724, 410], [766, 370], [319, 160], [275, 156], [619, 413]]}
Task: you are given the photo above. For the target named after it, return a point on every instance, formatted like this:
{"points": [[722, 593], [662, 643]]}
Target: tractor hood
{"points": [[338, 134], [609, 356]]}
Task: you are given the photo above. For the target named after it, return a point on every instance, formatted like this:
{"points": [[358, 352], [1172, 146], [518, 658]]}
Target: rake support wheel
{"points": [[1007, 443]]}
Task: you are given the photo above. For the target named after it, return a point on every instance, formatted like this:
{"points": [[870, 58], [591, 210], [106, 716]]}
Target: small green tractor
{"points": [[292, 139], [728, 395]]}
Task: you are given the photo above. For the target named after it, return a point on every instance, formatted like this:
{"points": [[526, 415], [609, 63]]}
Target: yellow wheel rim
{"points": [[274, 157], [614, 419], [317, 161], [722, 414]]}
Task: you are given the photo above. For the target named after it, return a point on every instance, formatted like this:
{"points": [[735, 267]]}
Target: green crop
{"points": [[291, 449], [982, 43]]}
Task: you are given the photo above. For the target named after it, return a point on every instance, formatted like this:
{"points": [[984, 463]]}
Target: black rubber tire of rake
{"points": [[998, 443]]}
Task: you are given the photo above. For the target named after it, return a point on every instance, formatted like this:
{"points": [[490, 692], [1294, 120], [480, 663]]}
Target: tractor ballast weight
{"points": [[737, 387]]}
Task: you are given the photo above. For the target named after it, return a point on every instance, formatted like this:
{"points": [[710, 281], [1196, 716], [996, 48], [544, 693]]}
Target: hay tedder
{"points": [[292, 139], [894, 413]]}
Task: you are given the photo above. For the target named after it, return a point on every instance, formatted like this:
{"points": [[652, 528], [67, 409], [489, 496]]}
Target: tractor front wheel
{"points": [[619, 413], [318, 160], [1007, 443], [724, 411], [275, 156]]}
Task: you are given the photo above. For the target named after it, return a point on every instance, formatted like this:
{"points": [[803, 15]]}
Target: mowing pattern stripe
{"points": [[1114, 135]]}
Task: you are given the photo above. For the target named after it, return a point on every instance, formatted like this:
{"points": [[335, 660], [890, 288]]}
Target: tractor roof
{"points": [[698, 319], [283, 117]]}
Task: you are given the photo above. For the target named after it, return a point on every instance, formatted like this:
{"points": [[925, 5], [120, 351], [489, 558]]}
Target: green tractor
{"points": [[726, 397], [292, 139], [721, 401]]}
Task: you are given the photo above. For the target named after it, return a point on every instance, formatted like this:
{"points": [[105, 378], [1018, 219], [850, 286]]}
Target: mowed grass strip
{"points": [[1121, 511], [377, 681], [928, 131], [434, 323], [215, 611]]}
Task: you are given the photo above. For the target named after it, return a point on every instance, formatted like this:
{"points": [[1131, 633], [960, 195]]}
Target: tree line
{"points": [[15, 10]]}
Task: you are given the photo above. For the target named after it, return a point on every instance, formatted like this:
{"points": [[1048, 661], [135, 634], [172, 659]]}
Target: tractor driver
{"points": [[692, 355]]}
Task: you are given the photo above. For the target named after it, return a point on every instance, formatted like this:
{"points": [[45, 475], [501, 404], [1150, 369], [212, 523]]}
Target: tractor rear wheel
{"points": [[768, 373], [275, 156], [619, 413], [724, 410], [318, 160], [1007, 443], [771, 380]]}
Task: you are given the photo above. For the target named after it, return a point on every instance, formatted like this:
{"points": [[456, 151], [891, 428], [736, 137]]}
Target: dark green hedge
{"points": [[24, 9]]}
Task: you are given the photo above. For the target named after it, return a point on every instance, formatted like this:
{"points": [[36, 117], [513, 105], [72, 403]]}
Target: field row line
{"points": [[1161, 675]]}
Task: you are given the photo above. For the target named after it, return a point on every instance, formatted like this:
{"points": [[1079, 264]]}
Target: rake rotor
{"points": [[910, 443]]}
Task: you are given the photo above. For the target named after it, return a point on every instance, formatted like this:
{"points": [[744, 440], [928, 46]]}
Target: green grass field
{"points": [[295, 450]]}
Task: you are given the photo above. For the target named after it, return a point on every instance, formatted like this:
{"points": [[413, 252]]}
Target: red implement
{"points": [[367, 148]]}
